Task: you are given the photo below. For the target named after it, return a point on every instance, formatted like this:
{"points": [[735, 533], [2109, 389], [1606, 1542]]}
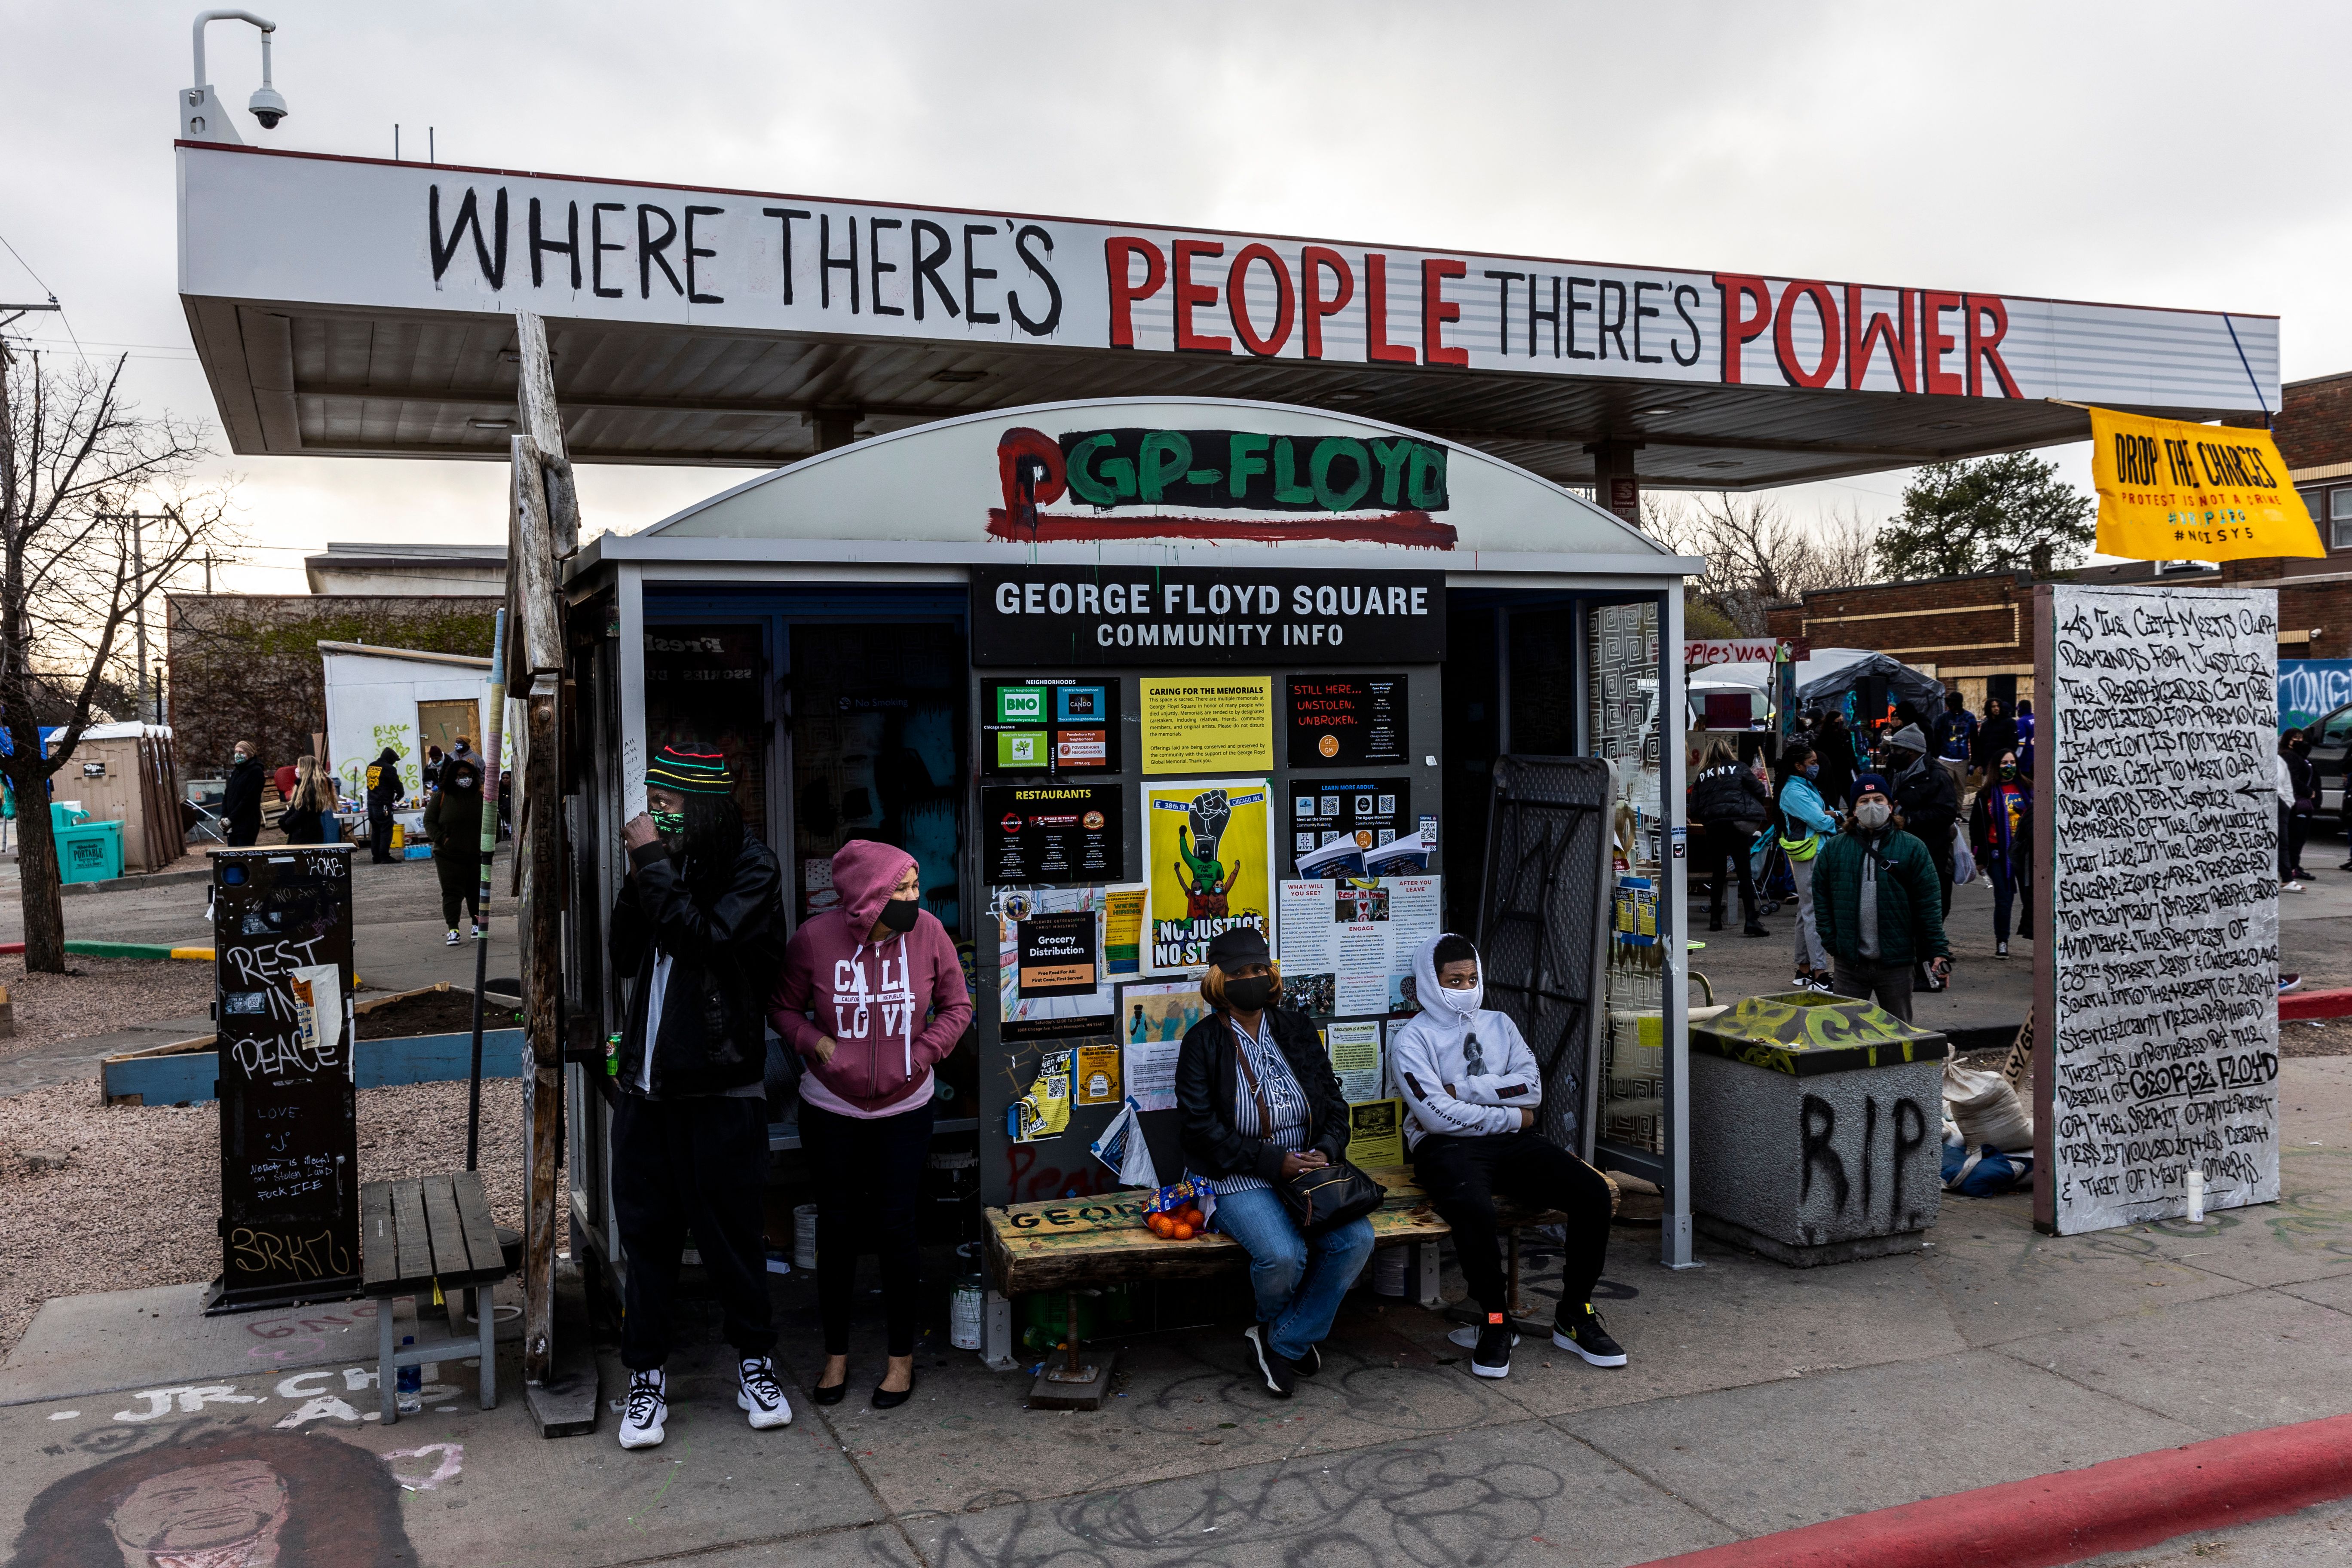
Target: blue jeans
{"points": [[1298, 1280]]}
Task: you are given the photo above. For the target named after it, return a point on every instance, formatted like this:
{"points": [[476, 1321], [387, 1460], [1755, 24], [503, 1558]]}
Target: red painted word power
{"points": [[2121, 1504]]}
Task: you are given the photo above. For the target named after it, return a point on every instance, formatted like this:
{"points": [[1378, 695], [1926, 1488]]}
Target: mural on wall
{"points": [[226, 1499]]}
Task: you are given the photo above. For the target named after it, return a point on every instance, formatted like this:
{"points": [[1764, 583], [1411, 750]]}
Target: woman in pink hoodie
{"points": [[872, 996]]}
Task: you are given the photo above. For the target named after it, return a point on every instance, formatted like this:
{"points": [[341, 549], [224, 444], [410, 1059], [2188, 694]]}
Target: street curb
{"points": [[2315, 1004], [123, 950], [2120, 1505], [138, 879]]}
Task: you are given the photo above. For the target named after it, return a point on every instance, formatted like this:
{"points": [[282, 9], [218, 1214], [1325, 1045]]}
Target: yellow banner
{"points": [[2172, 491]]}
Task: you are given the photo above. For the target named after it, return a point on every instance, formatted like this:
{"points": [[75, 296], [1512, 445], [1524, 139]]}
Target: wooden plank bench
{"points": [[1070, 1244], [431, 1238]]}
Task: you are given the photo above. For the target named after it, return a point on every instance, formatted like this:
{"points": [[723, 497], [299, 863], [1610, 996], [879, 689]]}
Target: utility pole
{"points": [[140, 588]]}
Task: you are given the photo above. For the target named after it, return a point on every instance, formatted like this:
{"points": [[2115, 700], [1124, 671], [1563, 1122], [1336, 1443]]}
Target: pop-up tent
{"points": [[1907, 684]]}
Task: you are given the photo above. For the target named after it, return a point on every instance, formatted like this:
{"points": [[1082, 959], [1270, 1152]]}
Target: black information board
{"points": [[1053, 832], [1056, 724], [1366, 813], [290, 1222], [1059, 956], [1250, 615], [1348, 720]]}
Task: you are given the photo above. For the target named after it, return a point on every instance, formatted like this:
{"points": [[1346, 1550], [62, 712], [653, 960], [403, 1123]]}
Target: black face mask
{"points": [[900, 914], [1250, 995]]}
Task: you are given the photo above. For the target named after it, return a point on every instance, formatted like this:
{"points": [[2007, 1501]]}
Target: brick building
{"points": [[2314, 435], [1974, 633]]}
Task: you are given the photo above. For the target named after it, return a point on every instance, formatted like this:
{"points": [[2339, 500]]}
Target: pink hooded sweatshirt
{"points": [[870, 996]]}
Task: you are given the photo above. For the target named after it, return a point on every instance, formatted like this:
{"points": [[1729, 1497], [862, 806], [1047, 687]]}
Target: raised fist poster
{"points": [[1209, 849]]}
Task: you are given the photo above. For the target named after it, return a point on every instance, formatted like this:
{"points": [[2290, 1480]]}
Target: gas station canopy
{"points": [[361, 306]]}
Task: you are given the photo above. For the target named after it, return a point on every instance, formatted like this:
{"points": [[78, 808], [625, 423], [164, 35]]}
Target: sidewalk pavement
{"points": [[1759, 1398], [397, 945]]}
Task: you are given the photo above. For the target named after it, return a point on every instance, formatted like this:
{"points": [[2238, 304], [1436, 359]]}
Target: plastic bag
{"points": [[1988, 1108], [1197, 1191], [1122, 1148], [1964, 859]]}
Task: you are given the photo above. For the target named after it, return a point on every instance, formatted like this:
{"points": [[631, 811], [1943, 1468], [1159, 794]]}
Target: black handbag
{"points": [[1319, 1200]]}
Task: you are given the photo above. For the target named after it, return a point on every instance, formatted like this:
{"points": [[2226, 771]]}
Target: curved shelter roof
{"points": [[1236, 482]]}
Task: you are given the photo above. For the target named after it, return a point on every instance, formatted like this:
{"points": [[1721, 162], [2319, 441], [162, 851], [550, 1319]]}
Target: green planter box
{"points": [[1815, 1129]]}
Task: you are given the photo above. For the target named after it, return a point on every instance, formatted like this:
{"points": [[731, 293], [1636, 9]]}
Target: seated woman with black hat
{"points": [[1259, 1105]]}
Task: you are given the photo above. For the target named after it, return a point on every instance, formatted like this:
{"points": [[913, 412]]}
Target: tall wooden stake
{"points": [[545, 529]]}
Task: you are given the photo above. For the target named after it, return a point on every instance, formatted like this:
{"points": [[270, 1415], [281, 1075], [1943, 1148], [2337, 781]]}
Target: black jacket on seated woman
{"points": [[1251, 1118]]}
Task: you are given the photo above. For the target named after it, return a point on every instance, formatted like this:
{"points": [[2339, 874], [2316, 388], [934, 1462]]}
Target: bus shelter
{"points": [[837, 624], [1121, 673]]}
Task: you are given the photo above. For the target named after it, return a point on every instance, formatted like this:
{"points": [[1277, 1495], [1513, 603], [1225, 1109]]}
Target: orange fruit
{"points": [[1160, 1225], [1184, 1231]]}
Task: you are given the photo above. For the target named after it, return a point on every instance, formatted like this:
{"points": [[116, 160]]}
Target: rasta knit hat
{"points": [[690, 772]]}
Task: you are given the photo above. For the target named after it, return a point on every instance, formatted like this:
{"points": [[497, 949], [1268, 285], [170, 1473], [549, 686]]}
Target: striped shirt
{"points": [[1285, 1100]]}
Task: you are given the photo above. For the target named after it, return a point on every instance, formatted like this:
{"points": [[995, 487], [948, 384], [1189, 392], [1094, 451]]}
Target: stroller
{"points": [[1768, 865]]}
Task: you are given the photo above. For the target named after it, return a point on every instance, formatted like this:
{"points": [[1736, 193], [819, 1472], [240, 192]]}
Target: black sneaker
{"points": [[1582, 1332], [1311, 1364], [1280, 1376], [1492, 1358]]}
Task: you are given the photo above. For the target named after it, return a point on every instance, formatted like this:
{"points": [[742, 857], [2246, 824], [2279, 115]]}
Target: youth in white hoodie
{"points": [[1461, 1068]]}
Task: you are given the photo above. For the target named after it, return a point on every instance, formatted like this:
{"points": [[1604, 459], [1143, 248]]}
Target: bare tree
{"points": [[1757, 554], [74, 458]]}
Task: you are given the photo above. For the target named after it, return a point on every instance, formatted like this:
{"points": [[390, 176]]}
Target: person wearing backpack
{"points": [[695, 927], [1805, 822], [1879, 903]]}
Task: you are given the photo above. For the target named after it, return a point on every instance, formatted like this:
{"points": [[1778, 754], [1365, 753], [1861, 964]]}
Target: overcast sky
{"points": [[2144, 153]]}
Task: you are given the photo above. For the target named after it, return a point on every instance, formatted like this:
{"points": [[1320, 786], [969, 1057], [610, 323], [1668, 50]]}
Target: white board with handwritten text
{"points": [[2158, 739]]}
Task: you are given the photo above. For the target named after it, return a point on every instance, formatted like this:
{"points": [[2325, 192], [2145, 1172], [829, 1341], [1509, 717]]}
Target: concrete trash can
{"points": [[1815, 1129]]}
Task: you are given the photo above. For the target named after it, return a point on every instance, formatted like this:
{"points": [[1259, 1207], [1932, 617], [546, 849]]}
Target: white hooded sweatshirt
{"points": [[1463, 1071]]}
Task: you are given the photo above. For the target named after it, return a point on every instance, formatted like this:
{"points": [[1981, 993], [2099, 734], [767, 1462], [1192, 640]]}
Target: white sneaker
{"points": [[756, 1391], [451, 939], [2290, 887], [646, 1409]]}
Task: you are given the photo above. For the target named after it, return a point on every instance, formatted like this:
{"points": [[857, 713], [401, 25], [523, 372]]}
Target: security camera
{"points": [[267, 107]]}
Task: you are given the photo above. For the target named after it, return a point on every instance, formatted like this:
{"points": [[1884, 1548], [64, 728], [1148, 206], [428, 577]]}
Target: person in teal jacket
{"points": [[1879, 903], [1804, 823]]}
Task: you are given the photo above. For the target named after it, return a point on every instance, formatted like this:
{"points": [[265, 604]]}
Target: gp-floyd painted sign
{"points": [[1044, 615], [388, 234], [1137, 483]]}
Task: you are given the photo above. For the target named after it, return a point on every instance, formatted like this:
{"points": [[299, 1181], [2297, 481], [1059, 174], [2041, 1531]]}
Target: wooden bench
{"points": [[431, 1238], [1072, 1244]]}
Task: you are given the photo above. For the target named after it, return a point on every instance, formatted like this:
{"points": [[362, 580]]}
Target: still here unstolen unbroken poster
{"points": [[1209, 849]]}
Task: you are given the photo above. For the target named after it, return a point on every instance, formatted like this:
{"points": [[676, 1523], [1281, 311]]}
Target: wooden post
{"points": [[545, 527]]}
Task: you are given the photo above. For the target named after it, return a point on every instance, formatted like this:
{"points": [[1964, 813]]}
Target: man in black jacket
{"points": [[1928, 800], [384, 792], [699, 924], [1730, 805], [241, 796]]}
